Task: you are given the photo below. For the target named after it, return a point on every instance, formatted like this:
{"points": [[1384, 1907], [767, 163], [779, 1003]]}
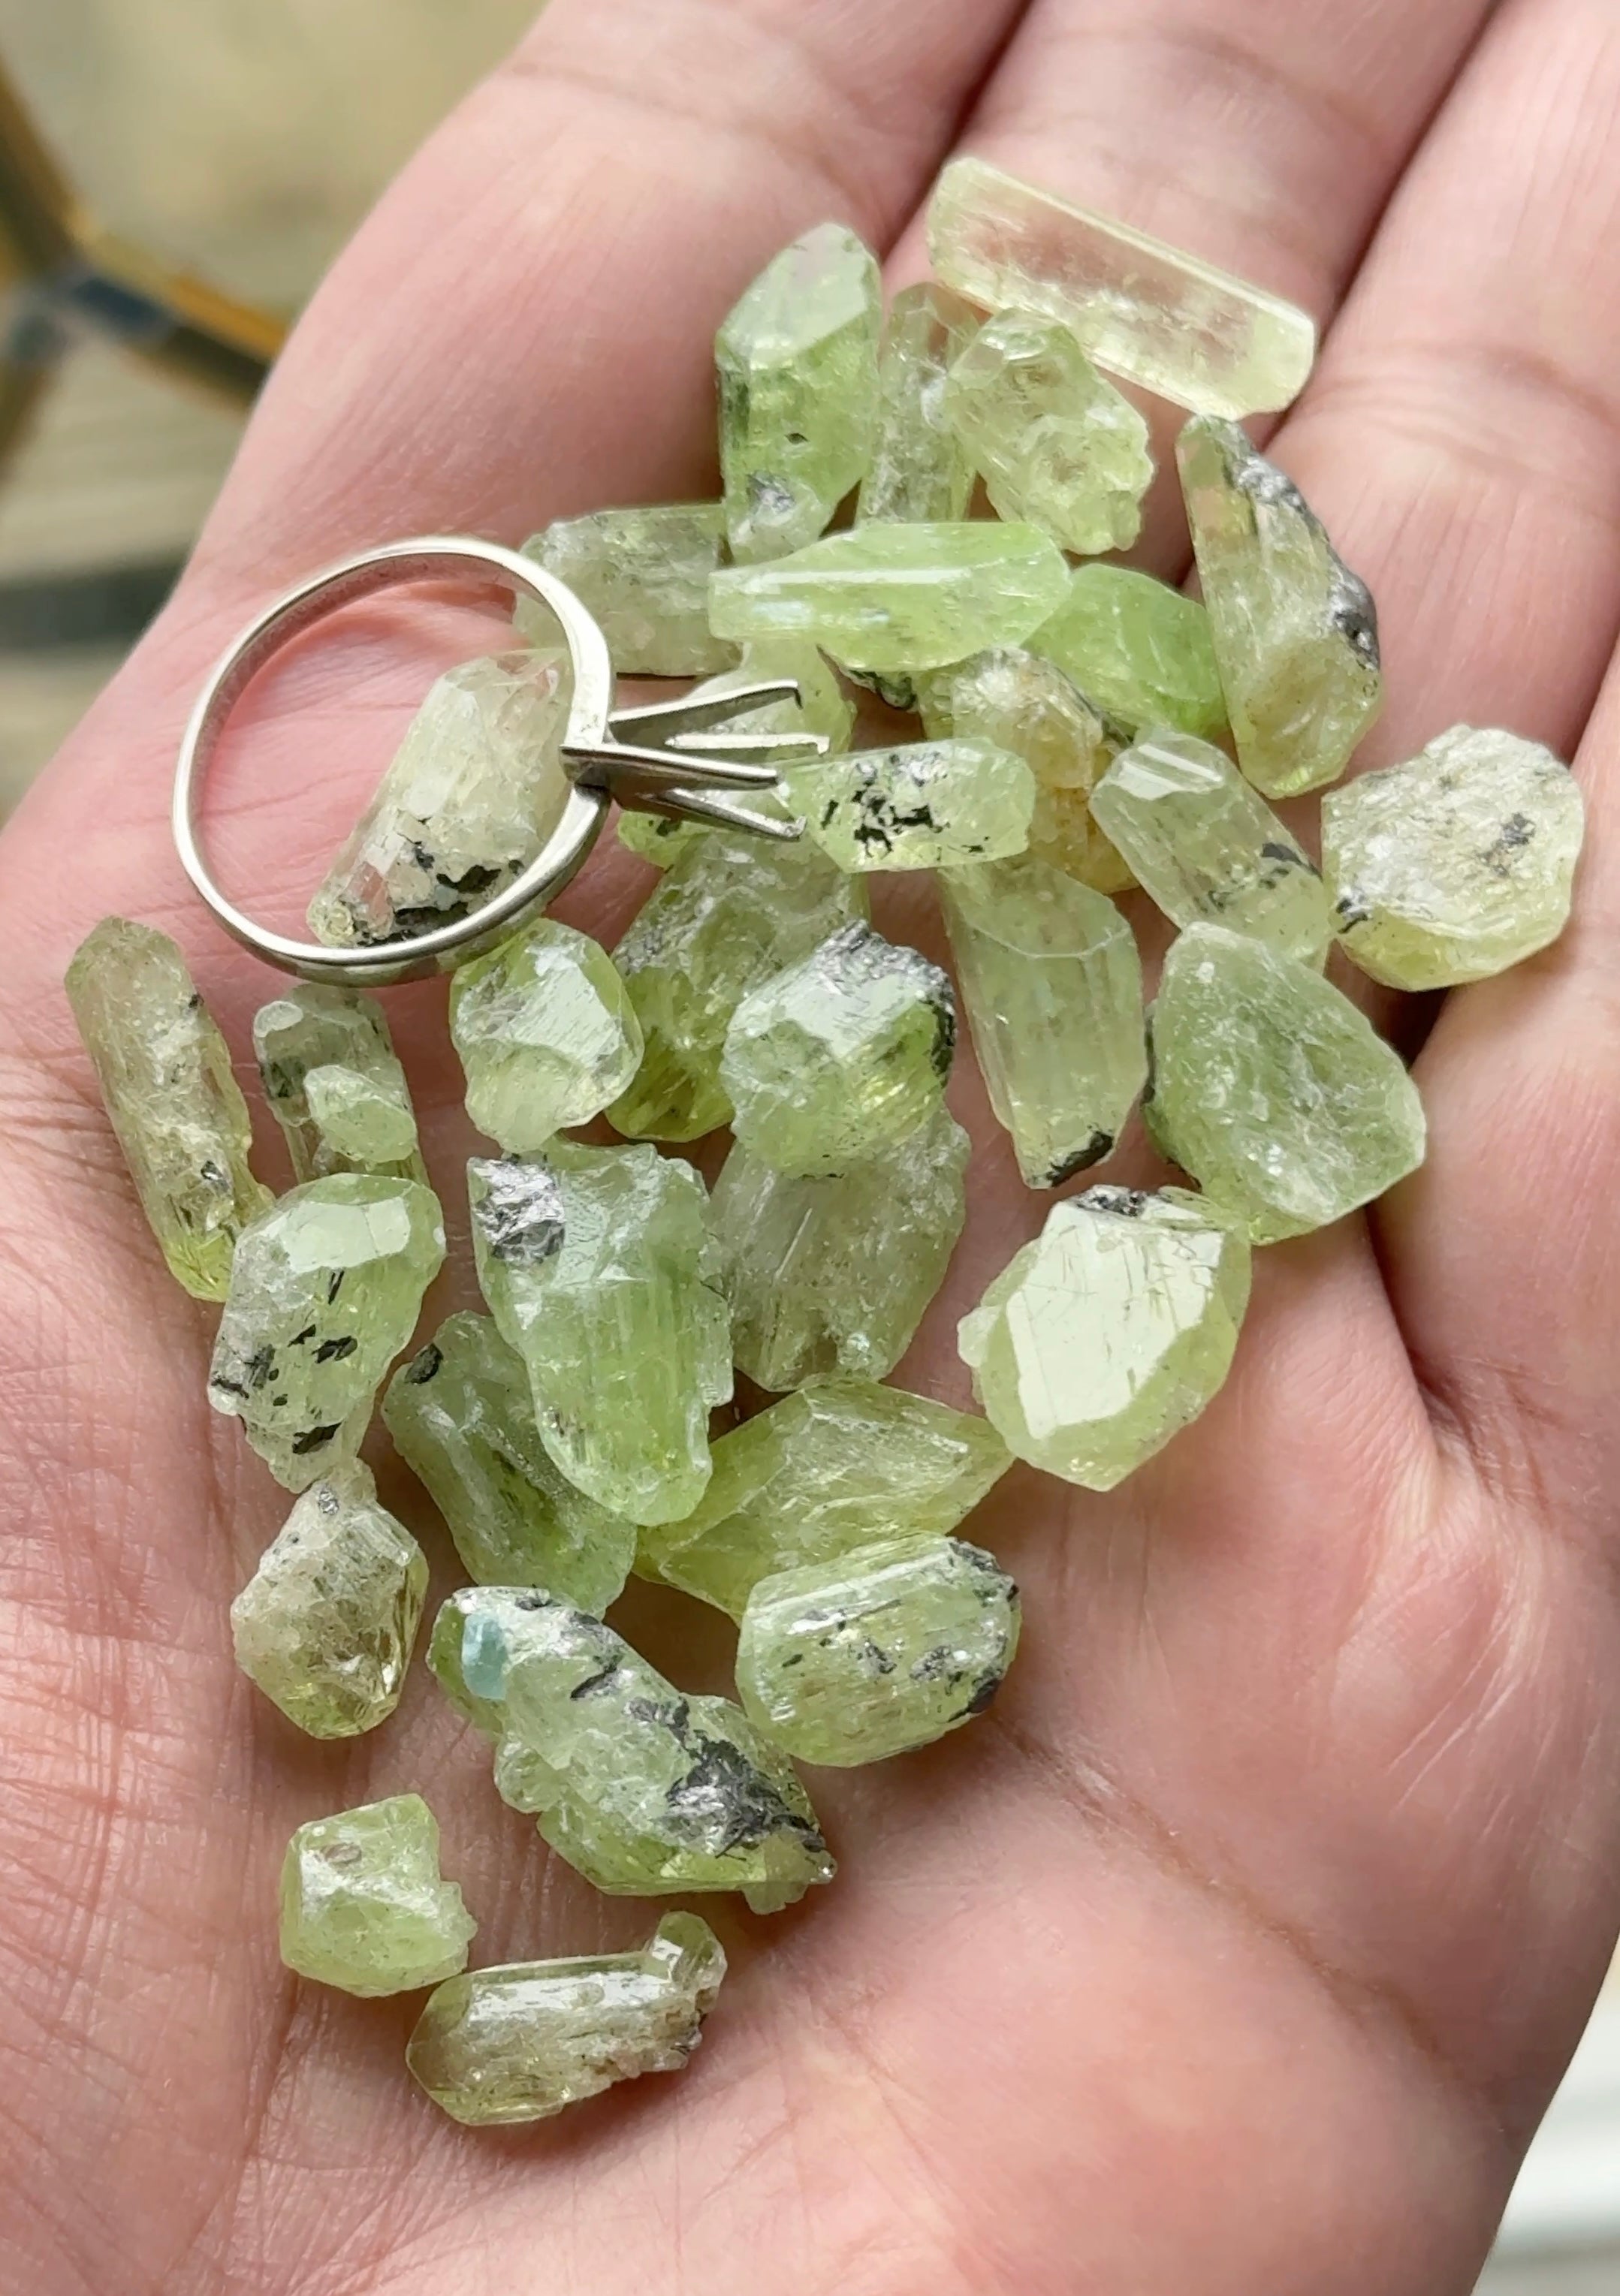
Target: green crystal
{"points": [[919, 472], [521, 2041], [886, 1649], [1209, 850], [829, 1275], [899, 599], [1110, 1333], [1296, 632], [926, 804], [325, 1290], [363, 1906], [1456, 865], [1052, 986], [1141, 650], [462, 1416], [326, 1059], [546, 1032], [841, 1057], [1272, 1090], [643, 574], [593, 1261], [327, 1625], [175, 1106], [841, 1463], [1056, 444], [798, 375]]}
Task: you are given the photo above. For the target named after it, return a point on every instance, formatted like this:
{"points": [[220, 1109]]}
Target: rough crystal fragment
{"points": [[798, 373], [1164, 319], [1140, 650], [1208, 849], [899, 599], [886, 1649], [363, 1904], [462, 1416], [1111, 1331], [176, 1107], [643, 574], [546, 1032], [339, 1038], [841, 1057], [926, 804], [1296, 632], [1272, 1090], [327, 1625], [368, 1126], [325, 1290], [839, 1464], [1456, 865], [1052, 986], [521, 2041], [919, 472]]}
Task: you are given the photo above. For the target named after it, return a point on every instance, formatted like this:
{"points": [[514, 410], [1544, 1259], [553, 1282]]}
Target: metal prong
{"points": [[756, 745], [658, 721], [696, 805], [616, 764]]}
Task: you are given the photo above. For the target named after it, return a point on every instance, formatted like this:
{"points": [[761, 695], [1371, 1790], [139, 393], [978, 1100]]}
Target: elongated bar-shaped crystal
{"points": [[358, 1099], [547, 1034], [919, 471], [926, 804], [1166, 320], [1138, 649], [644, 576], [363, 1904]]}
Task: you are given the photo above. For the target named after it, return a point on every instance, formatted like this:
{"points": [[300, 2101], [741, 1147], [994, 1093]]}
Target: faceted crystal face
{"points": [[1208, 849], [594, 1261], [840, 1058], [1052, 985], [1138, 649], [363, 1906], [899, 599], [1456, 865], [547, 1034], [1272, 1090], [1296, 632], [829, 1276], [365, 1124], [327, 1625], [919, 471], [643, 574], [462, 1416], [1175, 325], [519, 2042], [1057, 445], [176, 1107], [339, 1037], [926, 804], [841, 1464], [1111, 1331], [325, 1290], [798, 375]]}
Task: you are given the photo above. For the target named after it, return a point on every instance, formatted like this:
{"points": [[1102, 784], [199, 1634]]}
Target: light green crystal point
{"points": [[1111, 1331], [325, 1290], [1140, 650], [1296, 632], [643, 574], [1456, 865], [363, 1904], [462, 1416], [547, 1034], [327, 1625], [1272, 1090], [886, 1649], [174, 1103], [520, 2042], [839, 1464], [367, 1125], [899, 599], [1052, 986], [334, 1085], [925, 805], [919, 472], [1209, 850]]}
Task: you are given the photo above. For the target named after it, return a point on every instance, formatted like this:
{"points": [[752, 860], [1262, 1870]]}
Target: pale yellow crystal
{"points": [[334, 1083], [919, 471], [643, 574], [362, 1904], [547, 1034]]}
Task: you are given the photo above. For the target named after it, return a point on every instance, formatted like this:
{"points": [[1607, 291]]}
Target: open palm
{"points": [[1240, 1946]]}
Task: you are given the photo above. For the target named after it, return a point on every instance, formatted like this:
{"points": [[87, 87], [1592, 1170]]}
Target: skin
{"points": [[1240, 1946]]}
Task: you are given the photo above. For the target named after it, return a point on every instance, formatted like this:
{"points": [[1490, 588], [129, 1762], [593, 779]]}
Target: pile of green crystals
{"points": [[1079, 731]]}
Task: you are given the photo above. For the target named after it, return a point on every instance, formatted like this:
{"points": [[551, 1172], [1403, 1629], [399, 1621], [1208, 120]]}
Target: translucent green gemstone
{"points": [[1056, 444], [919, 472], [325, 1290], [644, 576], [1052, 986], [176, 1107], [839, 1464], [1208, 849], [926, 804], [363, 1906], [593, 1261], [462, 1416], [899, 599], [340, 1038], [1164, 319], [798, 373], [521, 2041], [476, 789], [732, 911], [828, 1275], [327, 1625], [1111, 1331], [367, 1125], [1141, 650], [546, 1032], [1296, 632], [1456, 865], [1272, 1090]]}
